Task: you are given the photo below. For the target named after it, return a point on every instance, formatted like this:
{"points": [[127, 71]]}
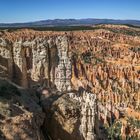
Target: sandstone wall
{"points": [[38, 62]]}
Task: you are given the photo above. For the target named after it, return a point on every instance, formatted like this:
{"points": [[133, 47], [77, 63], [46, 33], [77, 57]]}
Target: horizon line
{"points": [[24, 22]]}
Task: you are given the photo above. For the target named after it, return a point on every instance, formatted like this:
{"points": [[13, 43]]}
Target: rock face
{"points": [[43, 61], [88, 113], [105, 62], [63, 71], [72, 116], [62, 118], [20, 116]]}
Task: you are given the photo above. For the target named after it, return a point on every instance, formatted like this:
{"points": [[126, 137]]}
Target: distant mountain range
{"points": [[71, 22]]}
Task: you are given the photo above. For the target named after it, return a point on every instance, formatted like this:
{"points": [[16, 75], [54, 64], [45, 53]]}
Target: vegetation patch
{"points": [[86, 57], [114, 131]]}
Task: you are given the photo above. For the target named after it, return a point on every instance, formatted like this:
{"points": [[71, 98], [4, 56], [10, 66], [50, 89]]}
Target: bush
{"points": [[114, 131], [86, 57]]}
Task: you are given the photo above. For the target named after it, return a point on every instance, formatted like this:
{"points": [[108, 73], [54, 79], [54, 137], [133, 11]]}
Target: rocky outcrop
{"points": [[71, 116], [62, 117], [20, 116]]}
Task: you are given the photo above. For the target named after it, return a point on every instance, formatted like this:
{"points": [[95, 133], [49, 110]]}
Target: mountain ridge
{"points": [[71, 22]]}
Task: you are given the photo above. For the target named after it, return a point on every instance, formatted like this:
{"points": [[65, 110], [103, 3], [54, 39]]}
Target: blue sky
{"points": [[33, 10]]}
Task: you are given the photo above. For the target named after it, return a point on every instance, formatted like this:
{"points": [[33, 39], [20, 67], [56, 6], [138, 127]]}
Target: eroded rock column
{"points": [[88, 114], [63, 70]]}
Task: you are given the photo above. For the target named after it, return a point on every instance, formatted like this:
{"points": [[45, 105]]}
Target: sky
{"points": [[12, 11]]}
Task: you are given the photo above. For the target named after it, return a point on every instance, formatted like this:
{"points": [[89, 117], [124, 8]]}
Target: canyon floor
{"points": [[70, 85]]}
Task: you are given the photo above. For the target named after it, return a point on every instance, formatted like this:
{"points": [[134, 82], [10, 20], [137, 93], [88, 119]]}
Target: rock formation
{"points": [[20, 115], [63, 72], [88, 113], [105, 62]]}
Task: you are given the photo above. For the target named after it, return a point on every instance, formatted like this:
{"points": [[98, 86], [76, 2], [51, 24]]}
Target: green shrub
{"points": [[114, 131], [86, 57]]}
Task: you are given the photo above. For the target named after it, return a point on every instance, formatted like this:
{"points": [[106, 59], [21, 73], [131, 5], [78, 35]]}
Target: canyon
{"points": [[74, 85]]}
